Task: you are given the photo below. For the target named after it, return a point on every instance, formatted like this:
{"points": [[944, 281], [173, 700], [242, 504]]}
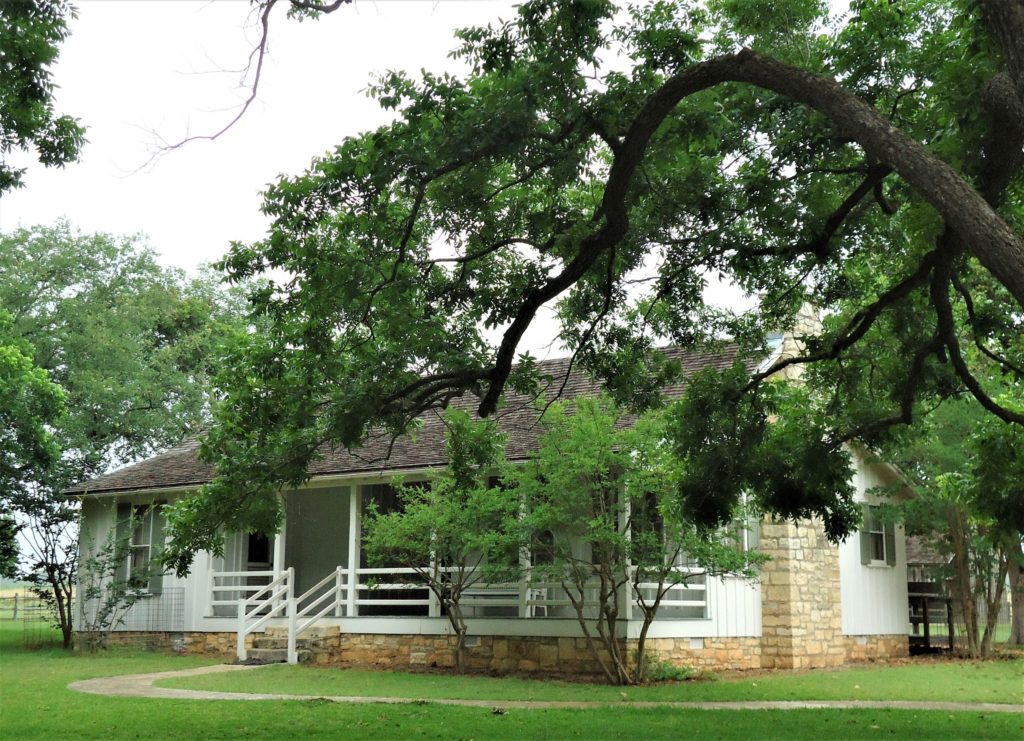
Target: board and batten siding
{"points": [[874, 597]]}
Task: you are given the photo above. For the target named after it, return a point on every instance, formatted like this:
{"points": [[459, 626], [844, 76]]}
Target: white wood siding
{"points": [[874, 598]]}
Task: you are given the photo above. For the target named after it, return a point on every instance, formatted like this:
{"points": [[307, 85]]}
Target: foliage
{"points": [[774, 444], [130, 345], [965, 472], [665, 671], [28, 47], [29, 406], [997, 486], [868, 164], [8, 546], [603, 523], [458, 531]]}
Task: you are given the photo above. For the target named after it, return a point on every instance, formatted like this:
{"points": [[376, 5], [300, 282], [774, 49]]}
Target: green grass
{"points": [[982, 681], [36, 704]]}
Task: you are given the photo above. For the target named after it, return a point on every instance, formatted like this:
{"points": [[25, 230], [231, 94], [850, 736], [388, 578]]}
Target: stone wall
{"points": [[709, 653], [800, 606], [220, 645], [872, 647], [504, 654], [501, 654]]}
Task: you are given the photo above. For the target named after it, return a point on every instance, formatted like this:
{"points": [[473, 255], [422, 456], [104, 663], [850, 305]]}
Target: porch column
{"points": [[279, 552], [279, 546], [355, 532]]}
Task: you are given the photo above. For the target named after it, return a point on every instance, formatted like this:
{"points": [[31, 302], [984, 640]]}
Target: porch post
{"points": [[279, 552], [279, 546], [210, 592], [625, 597], [355, 530]]}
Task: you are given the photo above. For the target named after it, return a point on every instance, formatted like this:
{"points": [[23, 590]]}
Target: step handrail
{"points": [[280, 587], [295, 614]]}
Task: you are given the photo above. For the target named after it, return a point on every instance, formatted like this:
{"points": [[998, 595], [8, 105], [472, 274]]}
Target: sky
{"points": [[135, 71]]}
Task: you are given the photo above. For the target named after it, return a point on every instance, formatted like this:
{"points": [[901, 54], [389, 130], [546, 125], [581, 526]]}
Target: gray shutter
{"points": [[890, 543], [122, 536], [156, 548], [865, 537]]}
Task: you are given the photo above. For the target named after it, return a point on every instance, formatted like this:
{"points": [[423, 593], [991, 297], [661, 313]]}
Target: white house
{"points": [[815, 604]]}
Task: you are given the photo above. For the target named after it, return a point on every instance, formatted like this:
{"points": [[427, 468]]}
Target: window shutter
{"points": [[890, 543], [122, 535], [865, 536], [156, 580]]}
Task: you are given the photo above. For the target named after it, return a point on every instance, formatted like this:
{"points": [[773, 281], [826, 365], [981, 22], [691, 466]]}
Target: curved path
{"points": [[141, 685]]}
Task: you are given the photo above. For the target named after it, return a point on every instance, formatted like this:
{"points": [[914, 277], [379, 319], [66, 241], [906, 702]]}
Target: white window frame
{"points": [[144, 519]]}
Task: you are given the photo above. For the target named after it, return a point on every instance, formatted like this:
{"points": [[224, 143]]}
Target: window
{"points": [[142, 525], [877, 539]]}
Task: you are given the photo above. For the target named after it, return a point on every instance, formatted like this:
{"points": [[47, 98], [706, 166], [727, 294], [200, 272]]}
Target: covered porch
{"points": [[314, 574]]}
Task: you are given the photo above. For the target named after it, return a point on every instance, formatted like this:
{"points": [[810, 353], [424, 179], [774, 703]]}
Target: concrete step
{"points": [[277, 655]]}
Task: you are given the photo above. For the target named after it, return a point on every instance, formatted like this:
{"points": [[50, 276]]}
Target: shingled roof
{"points": [[180, 466]]}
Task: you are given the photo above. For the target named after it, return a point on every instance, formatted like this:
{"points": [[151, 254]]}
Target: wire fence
{"points": [[143, 625], [24, 611]]}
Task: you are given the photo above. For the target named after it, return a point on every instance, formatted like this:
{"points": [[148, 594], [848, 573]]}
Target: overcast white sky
{"points": [[132, 67]]}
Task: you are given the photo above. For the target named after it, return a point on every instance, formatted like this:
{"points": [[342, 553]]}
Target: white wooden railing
{"points": [[343, 591], [256, 611]]}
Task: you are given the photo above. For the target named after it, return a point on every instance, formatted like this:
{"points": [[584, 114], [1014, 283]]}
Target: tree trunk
{"points": [[62, 605], [993, 598], [1015, 568], [963, 593], [454, 611]]}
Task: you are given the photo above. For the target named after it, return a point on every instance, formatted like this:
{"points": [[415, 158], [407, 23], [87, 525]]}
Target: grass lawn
{"points": [[981, 681], [36, 704]]}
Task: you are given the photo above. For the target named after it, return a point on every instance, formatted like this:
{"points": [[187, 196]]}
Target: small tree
{"points": [[604, 523], [967, 473], [997, 487], [458, 532], [661, 537]]}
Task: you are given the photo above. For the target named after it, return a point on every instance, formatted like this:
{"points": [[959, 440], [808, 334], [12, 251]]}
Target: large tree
{"points": [[30, 405], [130, 345], [30, 32], [608, 163]]}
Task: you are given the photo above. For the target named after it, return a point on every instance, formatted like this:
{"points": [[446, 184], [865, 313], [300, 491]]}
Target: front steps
{"points": [[272, 646]]}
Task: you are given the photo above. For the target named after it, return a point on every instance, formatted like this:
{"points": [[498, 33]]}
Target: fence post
{"points": [[949, 622], [927, 624], [240, 641], [15, 615], [293, 656]]}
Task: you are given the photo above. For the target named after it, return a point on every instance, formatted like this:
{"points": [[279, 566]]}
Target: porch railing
{"points": [[344, 591]]}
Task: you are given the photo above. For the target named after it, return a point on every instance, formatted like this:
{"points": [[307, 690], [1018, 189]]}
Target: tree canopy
{"points": [[609, 163], [29, 39], [93, 327]]}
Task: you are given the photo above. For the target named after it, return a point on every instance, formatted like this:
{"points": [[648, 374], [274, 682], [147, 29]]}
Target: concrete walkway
{"points": [[141, 685]]}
